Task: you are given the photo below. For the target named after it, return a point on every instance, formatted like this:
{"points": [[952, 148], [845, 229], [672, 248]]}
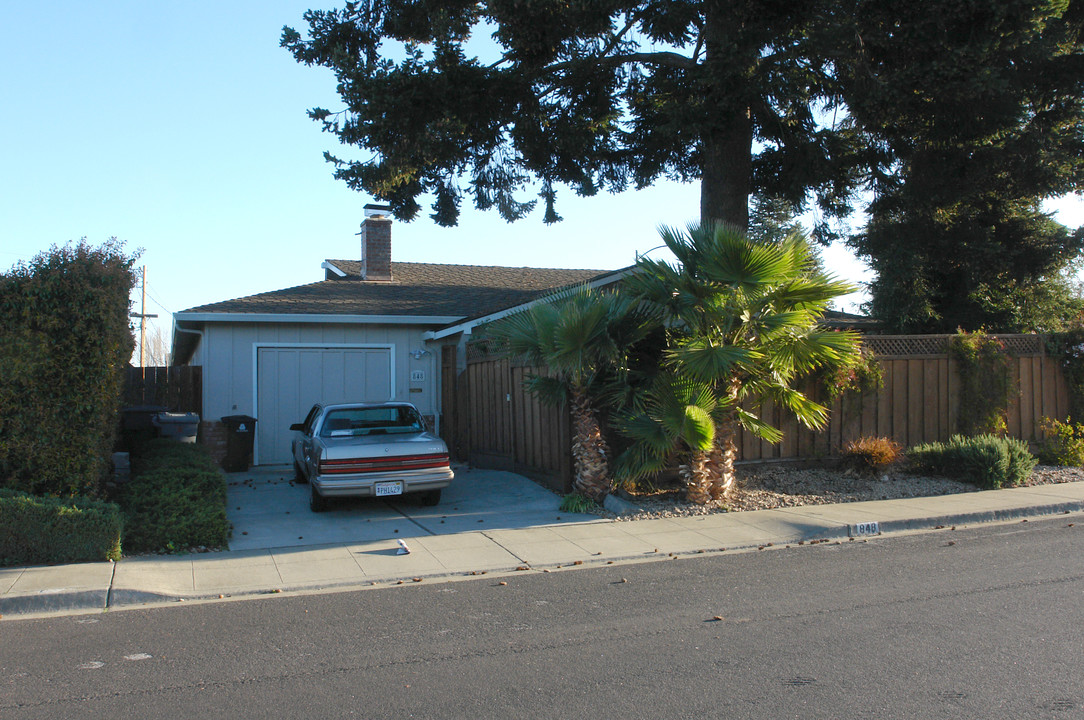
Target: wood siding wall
{"points": [[499, 425]]}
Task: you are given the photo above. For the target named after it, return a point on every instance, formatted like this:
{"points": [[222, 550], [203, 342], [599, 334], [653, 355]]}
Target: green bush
{"points": [[988, 461], [1064, 443], [579, 503], [1068, 349], [38, 530], [861, 373], [987, 387], [64, 343], [870, 455], [175, 499]]}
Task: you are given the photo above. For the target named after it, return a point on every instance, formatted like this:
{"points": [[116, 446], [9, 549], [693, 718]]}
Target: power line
{"points": [[158, 302]]}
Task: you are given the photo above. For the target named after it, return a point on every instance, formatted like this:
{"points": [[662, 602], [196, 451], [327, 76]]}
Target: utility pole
{"points": [[143, 315]]}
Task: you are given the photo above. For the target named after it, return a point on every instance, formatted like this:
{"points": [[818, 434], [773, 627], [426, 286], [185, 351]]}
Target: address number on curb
{"points": [[867, 528]]}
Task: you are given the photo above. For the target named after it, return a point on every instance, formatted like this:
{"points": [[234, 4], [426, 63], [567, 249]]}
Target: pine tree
{"points": [[589, 95], [977, 111]]}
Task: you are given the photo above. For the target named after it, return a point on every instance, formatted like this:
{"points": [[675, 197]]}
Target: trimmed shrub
{"points": [[987, 461], [39, 530], [64, 342], [1064, 443], [871, 455], [175, 500]]}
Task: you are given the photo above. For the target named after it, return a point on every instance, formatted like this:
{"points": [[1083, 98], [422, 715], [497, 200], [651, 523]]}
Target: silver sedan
{"points": [[368, 450]]}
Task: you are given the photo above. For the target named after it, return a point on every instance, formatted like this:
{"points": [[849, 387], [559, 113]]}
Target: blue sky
{"points": [[180, 128]]}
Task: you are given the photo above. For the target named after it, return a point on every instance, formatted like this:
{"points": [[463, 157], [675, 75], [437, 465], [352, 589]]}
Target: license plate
{"points": [[384, 489]]}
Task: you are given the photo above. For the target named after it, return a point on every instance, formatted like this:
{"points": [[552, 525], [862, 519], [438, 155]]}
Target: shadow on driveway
{"points": [[268, 510]]}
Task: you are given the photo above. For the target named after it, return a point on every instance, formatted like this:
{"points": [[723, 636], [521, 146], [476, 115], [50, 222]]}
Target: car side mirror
{"points": [[298, 426]]}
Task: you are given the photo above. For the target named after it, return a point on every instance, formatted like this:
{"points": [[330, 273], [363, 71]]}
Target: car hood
{"points": [[382, 445]]}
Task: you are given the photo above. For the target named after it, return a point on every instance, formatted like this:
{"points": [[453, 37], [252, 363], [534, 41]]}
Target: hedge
{"points": [[64, 343], [989, 461], [175, 499], [39, 530]]}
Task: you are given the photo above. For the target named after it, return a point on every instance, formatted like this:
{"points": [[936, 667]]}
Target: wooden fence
{"points": [[498, 424], [489, 420], [179, 388], [919, 401]]}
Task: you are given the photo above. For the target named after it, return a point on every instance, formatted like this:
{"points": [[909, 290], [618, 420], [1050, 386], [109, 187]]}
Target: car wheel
{"points": [[299, 477], [431, 498], [317, 502]]}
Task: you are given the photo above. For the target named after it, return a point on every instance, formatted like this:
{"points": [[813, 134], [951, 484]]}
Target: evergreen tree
{"points": [[976, 110], [590, 95]]}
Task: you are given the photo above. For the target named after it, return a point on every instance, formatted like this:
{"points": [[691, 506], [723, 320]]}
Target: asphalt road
{"points": [[977, 623]]}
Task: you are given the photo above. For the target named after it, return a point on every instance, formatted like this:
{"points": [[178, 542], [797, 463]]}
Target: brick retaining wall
{"points": [[213, 436]]}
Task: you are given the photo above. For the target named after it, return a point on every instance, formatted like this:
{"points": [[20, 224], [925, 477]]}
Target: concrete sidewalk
{"points": [[143, 581]]}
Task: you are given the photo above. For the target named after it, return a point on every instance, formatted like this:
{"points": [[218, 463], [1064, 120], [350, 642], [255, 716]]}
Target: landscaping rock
{"points": [[768, 486]]}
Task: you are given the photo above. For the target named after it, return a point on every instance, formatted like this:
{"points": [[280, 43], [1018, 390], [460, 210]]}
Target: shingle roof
{"points": [[418, 289]]}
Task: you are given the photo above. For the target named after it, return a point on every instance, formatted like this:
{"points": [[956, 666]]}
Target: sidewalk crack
{"points": [[399, 510], [278, 571], [497, 542]]}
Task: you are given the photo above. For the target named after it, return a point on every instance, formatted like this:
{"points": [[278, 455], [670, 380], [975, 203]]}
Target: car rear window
{"points": [[371, 421]]}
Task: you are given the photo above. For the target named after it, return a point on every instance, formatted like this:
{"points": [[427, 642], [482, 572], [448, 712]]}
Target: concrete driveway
{"points": [[269, 511]]}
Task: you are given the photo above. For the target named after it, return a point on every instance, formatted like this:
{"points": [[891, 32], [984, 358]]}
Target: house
{"points": [[372, 329]]}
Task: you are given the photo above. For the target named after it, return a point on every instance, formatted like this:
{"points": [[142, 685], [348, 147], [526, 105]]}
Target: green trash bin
{"points": [[240, 433]]}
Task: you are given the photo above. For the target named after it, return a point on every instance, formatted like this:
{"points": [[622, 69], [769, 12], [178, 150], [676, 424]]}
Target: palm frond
{"points": [[788, 320], [733, 260], [706, 362], [549, 389], [809, 413], [645, 430], [638, 462], [810, 291], [693, 425], [757, 426]]}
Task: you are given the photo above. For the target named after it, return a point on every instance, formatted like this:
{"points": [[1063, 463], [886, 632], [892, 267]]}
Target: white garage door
{"points": [[290, 380]]}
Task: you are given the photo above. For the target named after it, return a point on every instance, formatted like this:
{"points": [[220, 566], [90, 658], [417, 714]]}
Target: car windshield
{"points": [[370, 421]]}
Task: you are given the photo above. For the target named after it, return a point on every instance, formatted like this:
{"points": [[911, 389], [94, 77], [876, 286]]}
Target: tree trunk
{"points": [[709, 475], [724, 452], [727, 172], [726, 134], [697, 477], [589, 450]]}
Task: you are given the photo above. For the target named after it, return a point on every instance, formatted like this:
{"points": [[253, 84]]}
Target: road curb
{"points": [[106, 598], [54, 602], [855, 530]]}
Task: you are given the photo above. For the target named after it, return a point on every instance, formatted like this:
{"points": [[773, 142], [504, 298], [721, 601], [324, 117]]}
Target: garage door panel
{"points": [[285, 391], [377, 385], [335, 371], [290, 380], [310, 381]]}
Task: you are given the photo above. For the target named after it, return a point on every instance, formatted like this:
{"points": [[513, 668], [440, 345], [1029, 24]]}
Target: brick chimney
{"points": [[376, 243]]}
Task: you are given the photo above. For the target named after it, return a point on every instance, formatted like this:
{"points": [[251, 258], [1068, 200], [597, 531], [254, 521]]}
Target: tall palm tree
{"points": [[743, 322], [580, 336]]}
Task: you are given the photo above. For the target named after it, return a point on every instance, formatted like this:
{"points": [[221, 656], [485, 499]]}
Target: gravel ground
{"points": [[764, 487]]}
